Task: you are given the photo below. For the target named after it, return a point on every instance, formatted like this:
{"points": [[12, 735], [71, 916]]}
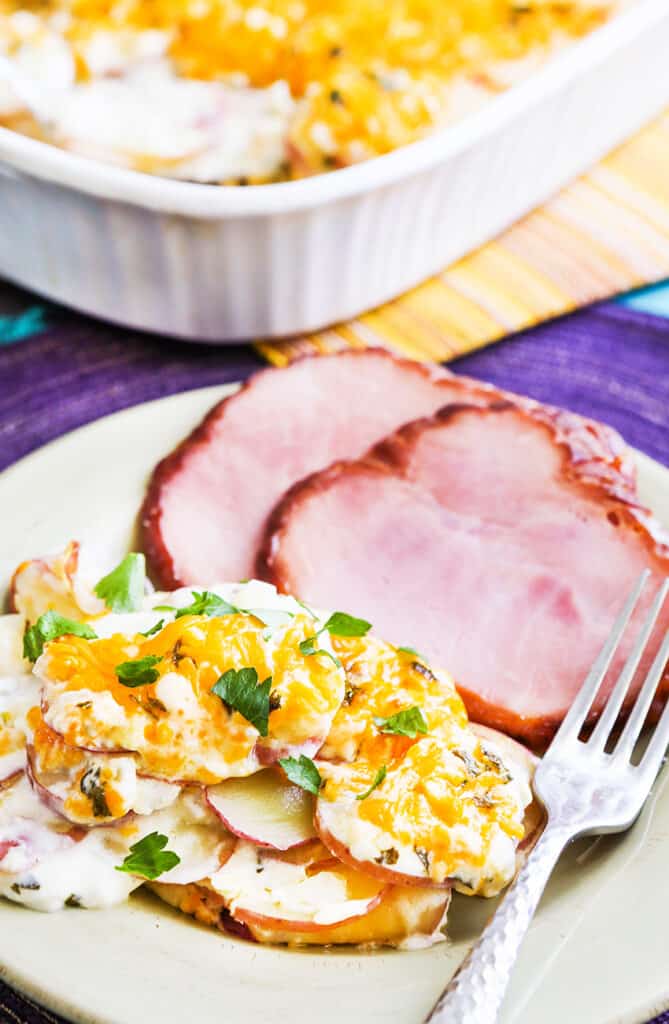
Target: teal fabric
{"points": [[23, 325], [19, 321], [649, 300]]}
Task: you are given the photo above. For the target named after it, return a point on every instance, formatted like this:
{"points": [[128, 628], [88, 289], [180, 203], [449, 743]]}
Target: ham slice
{"points": [[207, 502], [479, 537]]}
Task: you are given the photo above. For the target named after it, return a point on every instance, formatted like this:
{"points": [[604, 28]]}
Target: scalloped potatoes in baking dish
{"points": [[276, 771], [250, 91]]}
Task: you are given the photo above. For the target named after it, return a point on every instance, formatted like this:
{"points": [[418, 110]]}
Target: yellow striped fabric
{"points": [[606, 233]]}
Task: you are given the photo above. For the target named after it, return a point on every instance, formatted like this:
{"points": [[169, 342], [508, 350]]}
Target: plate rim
{"points": [[26, 985]]}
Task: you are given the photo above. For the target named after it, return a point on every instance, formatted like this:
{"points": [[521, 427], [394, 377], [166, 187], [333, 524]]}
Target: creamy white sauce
{"points": [[19, 692], [43, 867], [82, 875], [49, 870], [44, 60], [137, 112]]}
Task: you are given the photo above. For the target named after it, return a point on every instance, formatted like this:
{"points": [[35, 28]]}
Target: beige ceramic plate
{"points": [[596, 953]]}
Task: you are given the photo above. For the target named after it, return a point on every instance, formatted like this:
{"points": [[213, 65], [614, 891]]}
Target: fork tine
{"points": [[619, 692], [575, 717], [630, 733], [657, 748]]}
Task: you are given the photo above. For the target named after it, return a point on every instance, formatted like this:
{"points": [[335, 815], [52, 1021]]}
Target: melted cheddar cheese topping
{"points": [[387, 784], [446, 807], [367, 77], [176, 726]]}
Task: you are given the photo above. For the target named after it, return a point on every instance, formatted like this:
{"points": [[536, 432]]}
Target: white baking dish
{"points": [[220, 263]]}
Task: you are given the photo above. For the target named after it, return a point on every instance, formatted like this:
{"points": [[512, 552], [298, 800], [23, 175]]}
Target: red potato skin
{"points": [[338, 850], [56, 805], [604, 479], [209, 908], [106, 751], [9, 780], [250, 918], [535, 814], [535, 820], [52, 802], [13, 584], [267, 756], [251, 839], [70, 568], [369, 929]]}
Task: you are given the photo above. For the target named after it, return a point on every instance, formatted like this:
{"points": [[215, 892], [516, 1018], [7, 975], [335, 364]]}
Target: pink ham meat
{"points": [[208, 502], [477, 538]]}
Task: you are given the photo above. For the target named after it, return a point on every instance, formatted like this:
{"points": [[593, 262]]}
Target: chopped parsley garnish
{"points": [[240, 690], [154, 629], [413, 651], [207, 603], [378, 779], [49, 627], [408, 722], [212, 605], [303, 772], [122, 590], [307, 609], [389, 856], [140, 672], [339, 624], [91, 787], [148, 858], [271, 617], [309, 647]]}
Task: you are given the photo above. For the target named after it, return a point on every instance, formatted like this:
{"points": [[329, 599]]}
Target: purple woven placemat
{"points": [[609, 362], [59, 371]]}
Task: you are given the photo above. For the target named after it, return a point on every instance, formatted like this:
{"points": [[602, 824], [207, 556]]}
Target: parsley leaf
{"points": [[271, 617], [303, 772], [413, 651], [240, 690], [154, 629], [140, 672], [408, 722], [308, 647], [341, 624], [378, 779], [91, 787], [207, 603], [122, 590], [307, 609], [49, 627], [148, 858]]}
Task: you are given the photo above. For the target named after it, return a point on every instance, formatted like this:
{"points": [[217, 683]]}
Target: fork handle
{"points": [[476, 992]]}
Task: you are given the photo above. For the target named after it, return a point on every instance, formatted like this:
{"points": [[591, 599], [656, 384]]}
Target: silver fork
{"points": [[585, 791]]}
